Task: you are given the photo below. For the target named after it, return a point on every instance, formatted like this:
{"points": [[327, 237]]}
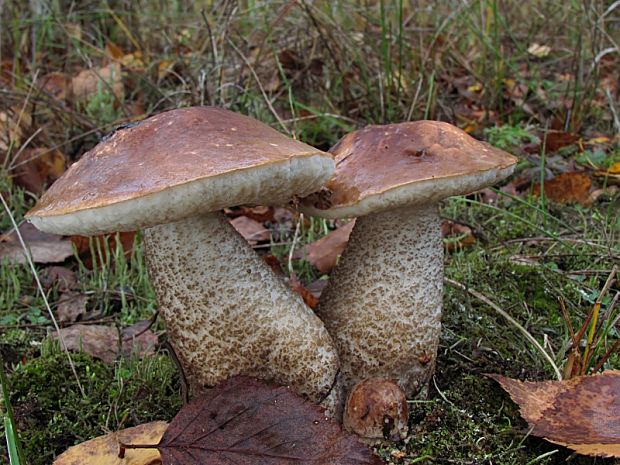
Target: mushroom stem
{"points": [[227, 312], [382, 305]]}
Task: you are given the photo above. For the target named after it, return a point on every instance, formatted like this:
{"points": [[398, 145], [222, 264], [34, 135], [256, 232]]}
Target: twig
{"points": [[514, 322], [43, 296], [294, 244], [177, 362]]}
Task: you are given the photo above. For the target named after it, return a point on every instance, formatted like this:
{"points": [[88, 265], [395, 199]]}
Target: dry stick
{"points": [[495, 307], [260, 86], [40, 288]]}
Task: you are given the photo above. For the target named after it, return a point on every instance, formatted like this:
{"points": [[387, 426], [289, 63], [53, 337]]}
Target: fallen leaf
{"points": [[567, 188], [56, 84], [44, 247], [245, 421], [90, 82], [580, 413], [611, 175], [324, 253], [456, 236], [308, 297], [34, 168], [555, 140], [97, 340], [138, 339], [82, 245], [273, 263], [60, 275], [104, 449], [12, 123], [251, 230], [71, 306], [538, 50], [113, 50]]}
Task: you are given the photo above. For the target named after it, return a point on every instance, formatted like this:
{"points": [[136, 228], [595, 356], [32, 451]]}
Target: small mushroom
{"points": [[226, 312], [377, 408], [383, 302]]}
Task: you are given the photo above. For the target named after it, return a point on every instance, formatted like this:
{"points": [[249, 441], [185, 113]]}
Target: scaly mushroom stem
{"points": [[227, 313], [382, 305]]}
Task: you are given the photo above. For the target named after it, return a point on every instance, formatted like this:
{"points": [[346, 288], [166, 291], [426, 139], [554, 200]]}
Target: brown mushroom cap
{"points": [[384, 167], [377, 408], [176, 165]]}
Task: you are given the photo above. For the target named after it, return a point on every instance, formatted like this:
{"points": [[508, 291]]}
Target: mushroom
{"points": [[383, 302], [376, 408], [226, 312]]}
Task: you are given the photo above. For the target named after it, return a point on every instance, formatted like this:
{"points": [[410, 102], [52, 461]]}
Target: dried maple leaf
{"points": [[244, 421], [582, 413], [104, 449]]}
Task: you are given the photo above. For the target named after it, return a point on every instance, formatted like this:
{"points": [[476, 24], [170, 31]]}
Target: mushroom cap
{"points": [[175, 165], [376, 408], [383, 167]]}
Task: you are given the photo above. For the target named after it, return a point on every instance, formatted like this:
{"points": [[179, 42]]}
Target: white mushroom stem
{"points": [[382, 305], [227, 313]]}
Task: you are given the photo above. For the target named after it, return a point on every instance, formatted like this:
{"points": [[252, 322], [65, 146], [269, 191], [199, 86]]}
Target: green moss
{"points": [[52, 414]]}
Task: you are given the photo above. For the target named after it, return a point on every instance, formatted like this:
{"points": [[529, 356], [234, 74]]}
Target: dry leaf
{"points": [[555, 140], [104, 449], [44, 247], [97, 340], [34, 168], [90, 82], [456, 236], [138, 339], [244, 421], [56, 84], [308, 297], [64, 277], [83, 246], [582, 413], [71, 306], [324, 253], [567, 188], [251, 230], [539, 51], [611, 175], [11, 123]]}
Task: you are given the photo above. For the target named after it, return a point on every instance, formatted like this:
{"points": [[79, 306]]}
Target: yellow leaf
{"points": [[615, 168], [104, 449], [539, 51], [114, 51]]}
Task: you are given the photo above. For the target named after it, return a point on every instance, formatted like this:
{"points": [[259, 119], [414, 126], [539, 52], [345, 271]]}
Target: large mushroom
{"points": [[383, 302], [226, 312]]}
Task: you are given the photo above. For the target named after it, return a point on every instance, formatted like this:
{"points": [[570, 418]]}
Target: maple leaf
{"points": [[245, 421]]}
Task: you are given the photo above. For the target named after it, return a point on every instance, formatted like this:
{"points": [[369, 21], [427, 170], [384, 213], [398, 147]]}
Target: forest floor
{"points": [[537, 79]]}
